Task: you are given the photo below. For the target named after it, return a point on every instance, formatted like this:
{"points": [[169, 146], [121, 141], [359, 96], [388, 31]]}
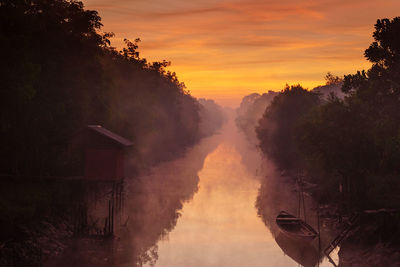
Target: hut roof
{"points": [[110, 135]]}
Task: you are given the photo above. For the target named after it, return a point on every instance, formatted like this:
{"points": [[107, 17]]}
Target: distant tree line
{"points": [[59, 73], [250, 111], [213, 114], [348, 143]]}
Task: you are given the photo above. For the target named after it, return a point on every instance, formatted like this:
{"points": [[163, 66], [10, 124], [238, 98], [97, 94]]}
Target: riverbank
{"points": [[352, 255], [36, 243], [374, 241], [338, 190], [152, 206], [37, 218]]}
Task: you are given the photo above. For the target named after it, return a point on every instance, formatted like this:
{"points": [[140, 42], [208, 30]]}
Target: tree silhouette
{"points": [[276, 127], [355, 141], [60, 73]]}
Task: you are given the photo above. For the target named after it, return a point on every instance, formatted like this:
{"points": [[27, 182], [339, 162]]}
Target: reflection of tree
{"points": [[154, 202], [279, 193], [152, 209], [276, 193]]}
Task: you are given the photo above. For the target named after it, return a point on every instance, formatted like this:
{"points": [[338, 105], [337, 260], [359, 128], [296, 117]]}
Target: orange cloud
{"points": [[234, 47]]}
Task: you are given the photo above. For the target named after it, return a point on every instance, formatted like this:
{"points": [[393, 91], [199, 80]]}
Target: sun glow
{"points": [[227, 49]]}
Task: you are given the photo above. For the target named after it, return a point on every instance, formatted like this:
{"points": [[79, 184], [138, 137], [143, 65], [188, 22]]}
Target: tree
{"points": [[355, 141], [332, 80], [251, 111], [47, 93], [383, 79], [58, 74], [276, 128]]}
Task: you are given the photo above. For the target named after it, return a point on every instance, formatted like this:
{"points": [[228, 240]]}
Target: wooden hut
{"points": [[105, 154]]}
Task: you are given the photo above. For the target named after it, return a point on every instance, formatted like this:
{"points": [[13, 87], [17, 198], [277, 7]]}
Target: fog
{"points": [[200, 209], [108, 160], [153, 201]]}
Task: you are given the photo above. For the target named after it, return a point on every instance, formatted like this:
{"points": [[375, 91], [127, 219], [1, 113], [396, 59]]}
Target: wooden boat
{"points": [[294, 227]]}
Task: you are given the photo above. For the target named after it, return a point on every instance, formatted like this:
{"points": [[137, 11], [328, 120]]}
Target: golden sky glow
{"points": [[230, 48]]}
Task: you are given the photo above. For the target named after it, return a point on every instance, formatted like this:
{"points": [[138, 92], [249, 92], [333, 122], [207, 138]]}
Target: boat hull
{"points": [[294, 227], [303, 253]]}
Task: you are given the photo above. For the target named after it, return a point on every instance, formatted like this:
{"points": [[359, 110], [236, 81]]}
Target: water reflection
{"points": [[155, 200], [220, 227], [152, 208], [278, 192], [209, 208]]}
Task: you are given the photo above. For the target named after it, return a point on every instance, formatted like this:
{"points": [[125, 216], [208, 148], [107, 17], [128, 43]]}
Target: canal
{"points": [[221, 224], [214, 206]]}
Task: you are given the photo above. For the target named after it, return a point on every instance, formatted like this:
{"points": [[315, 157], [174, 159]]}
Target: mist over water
{"points": [[108, 159], [215, 206], [220, 226]]}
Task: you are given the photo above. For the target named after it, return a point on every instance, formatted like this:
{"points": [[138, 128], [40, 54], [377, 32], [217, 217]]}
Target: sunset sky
{"points": [[225, 49]]}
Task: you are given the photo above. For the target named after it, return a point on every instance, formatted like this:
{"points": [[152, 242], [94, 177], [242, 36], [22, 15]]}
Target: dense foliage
{"points": [[276, 129], [58, 73], [356, 141], [348, 143]]}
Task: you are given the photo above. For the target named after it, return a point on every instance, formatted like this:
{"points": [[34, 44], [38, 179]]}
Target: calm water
{"points": [[212, 207], [220, 225]]}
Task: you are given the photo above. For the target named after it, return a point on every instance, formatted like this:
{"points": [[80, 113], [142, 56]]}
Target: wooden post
{"points": [[304, 205], [112, 208], [105, 227], [319, 236], [109, 216]]}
